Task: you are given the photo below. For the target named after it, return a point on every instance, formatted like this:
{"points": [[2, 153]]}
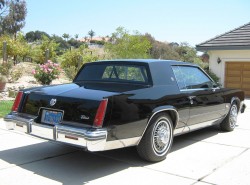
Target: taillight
{"points": [[17, 101], [100, 114]]}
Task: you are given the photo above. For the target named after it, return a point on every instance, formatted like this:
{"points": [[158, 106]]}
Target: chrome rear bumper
{"points": [[89, 138]]}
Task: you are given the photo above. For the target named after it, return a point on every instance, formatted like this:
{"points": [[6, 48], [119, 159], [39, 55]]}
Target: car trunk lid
{"points": [[77, 103]]}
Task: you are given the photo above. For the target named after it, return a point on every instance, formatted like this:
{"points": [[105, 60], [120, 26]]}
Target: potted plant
{"points": [[3, 81]]}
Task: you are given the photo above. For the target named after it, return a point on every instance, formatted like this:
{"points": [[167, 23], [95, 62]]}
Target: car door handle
{"points": [[191, 99], [215, 88]]}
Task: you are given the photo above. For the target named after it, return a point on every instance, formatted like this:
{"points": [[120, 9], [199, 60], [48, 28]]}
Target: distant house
{"points": [[229, 57], [96, 42], [87, 39]]}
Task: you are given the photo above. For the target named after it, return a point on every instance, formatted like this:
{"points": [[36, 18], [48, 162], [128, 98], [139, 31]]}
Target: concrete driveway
{"points": [[204, 157]]}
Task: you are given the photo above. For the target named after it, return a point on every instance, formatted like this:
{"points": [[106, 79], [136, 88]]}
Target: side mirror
{"points": [[218, 84]]}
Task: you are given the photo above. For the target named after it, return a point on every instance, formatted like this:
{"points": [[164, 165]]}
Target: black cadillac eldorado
{"points": [[122, 103]]}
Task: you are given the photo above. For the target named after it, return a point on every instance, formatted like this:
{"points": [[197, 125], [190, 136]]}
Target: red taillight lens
{"points": [[100, 114], [17, 101]]}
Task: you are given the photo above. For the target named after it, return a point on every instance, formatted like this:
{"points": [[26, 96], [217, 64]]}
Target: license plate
{"points": [[51, 117]]}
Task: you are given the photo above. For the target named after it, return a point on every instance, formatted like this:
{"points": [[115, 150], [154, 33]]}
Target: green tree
{"points": [[34, 36], [186, 52], [10, 45], [73, 59], [65, 45], [3, 7], [65, 36], [39, 51], [14, 21], [125, 45], [23, 48], [16, 47], [62, 44], [162, 50], [3, 12], [76, 36], [75, 43], [91, 34]]}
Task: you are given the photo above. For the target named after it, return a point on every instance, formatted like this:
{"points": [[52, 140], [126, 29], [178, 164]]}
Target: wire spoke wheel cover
{"points": [[161, 136], [158, 138], [233, 116], [230, 121]]}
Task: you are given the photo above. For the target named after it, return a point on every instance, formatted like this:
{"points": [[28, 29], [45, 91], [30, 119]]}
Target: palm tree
{"points": [[76, 36], [91, 33], [65, 36]]}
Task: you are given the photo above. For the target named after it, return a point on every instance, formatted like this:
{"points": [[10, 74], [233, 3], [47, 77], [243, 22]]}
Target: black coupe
{"points": [[122, 103]]}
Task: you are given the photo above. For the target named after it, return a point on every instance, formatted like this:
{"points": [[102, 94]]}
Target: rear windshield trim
{"points": [[122, 81]]}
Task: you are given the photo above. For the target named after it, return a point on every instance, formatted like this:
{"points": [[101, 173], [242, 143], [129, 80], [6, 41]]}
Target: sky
{"points": [[191, 21]]}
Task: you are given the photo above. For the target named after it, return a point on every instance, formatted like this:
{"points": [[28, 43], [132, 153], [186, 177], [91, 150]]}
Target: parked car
{"points": [[123, 103]]}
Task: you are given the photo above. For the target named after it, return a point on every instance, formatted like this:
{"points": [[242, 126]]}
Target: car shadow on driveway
{"points": [[130, 155], [69, 167], [72, 166]]}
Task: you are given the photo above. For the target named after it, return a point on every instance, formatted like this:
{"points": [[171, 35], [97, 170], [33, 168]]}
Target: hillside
{"points": [[26, 80]]}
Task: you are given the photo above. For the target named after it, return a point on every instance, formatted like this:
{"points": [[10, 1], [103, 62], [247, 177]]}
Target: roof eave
{"points": [[208, 48]]}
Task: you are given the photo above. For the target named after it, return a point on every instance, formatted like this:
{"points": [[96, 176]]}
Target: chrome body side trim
{"points": [[89, 138], [161, 110], [204, 124], [197, 126], [179, 131]]}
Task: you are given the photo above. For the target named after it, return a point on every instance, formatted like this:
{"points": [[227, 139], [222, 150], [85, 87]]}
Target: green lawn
{"points": [[5, 107]]}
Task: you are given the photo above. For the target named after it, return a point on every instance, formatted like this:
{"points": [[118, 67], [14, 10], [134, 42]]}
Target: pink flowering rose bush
{"points": [[47, 72]]}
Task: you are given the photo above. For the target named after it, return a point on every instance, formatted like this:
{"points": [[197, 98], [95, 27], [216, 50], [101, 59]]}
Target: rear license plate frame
{"points": [[51, 116]]}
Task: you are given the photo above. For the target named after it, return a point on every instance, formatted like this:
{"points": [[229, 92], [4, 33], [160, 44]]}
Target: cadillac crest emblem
{"points": [[52, 102]]}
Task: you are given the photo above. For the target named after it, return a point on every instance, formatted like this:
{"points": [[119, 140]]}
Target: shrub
{"points": [[16, 73], [213, 76], [39, 50], [99, 42], [70, 72], [3, 79], [72, 60], [5, 68], [47, 72]]}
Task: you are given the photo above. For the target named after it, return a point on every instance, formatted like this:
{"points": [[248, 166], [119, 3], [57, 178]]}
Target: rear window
{"points": [[114, 73]]}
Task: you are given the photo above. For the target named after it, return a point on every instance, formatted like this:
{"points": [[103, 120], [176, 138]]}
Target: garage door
{"points": [[238, 76]]}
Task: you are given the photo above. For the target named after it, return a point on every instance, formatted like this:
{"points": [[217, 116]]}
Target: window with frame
{"points": [[114, 73], [129, 73], [189, 77]]}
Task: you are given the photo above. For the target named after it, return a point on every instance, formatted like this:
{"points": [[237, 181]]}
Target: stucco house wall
{"points": [[226, 56]]}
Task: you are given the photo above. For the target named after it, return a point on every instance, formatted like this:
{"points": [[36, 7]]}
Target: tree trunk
{"points": [[4, 51], [15, 59]]}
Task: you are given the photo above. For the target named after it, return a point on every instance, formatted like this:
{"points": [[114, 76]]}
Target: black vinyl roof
{"points": [[237, 39]]}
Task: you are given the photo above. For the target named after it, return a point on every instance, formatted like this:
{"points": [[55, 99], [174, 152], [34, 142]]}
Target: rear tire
{"points": [[229, 123], [157, 140]]}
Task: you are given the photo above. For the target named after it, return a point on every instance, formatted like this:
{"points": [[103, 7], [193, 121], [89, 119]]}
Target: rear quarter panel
{"points": [[131, 111]]}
